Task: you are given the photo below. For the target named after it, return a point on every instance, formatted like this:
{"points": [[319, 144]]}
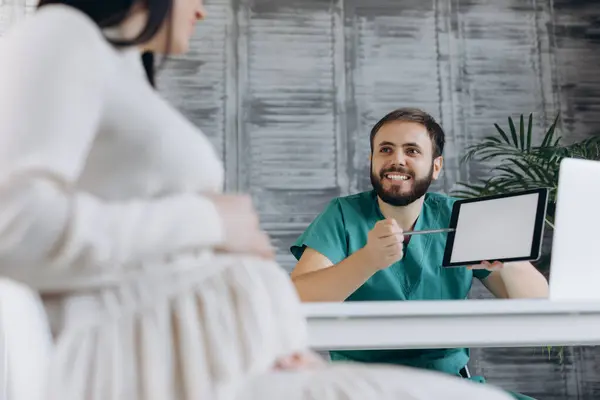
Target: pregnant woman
{"points": [[157, 285]]}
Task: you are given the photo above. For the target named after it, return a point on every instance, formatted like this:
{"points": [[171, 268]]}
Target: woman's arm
{"points": [[53, 73]]}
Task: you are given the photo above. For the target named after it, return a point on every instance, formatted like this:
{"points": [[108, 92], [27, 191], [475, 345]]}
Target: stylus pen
{"points": [[409, 233]]}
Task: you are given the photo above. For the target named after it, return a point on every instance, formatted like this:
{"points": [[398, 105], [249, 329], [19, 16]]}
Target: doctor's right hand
{"points": [[242, 226], [384, 244]]}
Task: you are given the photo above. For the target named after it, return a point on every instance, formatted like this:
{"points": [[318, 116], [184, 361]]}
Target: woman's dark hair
{"points": [[109, 13]]}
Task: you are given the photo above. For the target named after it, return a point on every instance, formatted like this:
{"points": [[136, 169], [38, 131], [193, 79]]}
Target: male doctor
{"points": [[355, 251]]}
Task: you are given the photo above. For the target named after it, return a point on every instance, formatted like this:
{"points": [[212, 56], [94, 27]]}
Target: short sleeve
{"points": [[326, 234], [481, 274]]}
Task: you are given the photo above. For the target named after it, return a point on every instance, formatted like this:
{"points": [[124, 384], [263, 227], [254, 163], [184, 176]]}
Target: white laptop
{"points": [[575, 267]]}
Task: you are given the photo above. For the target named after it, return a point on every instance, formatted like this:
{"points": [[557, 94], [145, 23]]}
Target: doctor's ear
{"points": [[438, 163]]}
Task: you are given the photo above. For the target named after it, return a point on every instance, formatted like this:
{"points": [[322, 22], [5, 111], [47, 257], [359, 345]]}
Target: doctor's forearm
{"points": [[335, 283], [522, 280]]}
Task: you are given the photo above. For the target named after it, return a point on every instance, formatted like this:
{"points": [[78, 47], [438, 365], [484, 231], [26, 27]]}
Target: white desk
{"points": [[447, 324]]}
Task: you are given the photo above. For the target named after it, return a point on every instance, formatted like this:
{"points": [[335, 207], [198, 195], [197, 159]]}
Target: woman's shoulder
{"points": [[57, 31]]}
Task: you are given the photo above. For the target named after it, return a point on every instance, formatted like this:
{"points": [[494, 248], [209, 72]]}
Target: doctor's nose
{"points": [[399, 159]]}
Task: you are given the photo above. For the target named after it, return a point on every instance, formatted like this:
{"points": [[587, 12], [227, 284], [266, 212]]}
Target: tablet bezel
{"points": [[538, 234]]}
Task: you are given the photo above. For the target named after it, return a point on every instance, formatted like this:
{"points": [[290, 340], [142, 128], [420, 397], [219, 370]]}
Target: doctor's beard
{"points": [[394, 196]]}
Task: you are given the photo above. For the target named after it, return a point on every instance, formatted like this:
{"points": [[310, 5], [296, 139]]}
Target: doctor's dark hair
{"points": [[110, 13], [436, 133]]}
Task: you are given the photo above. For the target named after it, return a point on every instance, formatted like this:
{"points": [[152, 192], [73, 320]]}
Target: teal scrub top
{"points": [[342, 229]]}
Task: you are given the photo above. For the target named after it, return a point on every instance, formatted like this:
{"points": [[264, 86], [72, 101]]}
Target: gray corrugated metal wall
{"points": [[289, 89]]}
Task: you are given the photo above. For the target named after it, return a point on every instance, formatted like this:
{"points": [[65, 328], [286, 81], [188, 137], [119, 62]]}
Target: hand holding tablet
{"points": [[498, 229], [490, 266], [501, 228]]}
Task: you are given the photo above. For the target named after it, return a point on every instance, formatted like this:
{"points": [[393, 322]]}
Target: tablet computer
{"points": [[505, 228]]}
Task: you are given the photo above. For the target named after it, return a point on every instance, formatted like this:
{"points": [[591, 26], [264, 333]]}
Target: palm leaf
{"points": [[526, 169], [502, 185], [536, 170], [524, 165], [493, 139], [509, 175], [491, 186], [480, 151], [502, 133], [513, 131], [550, 133], [487, 155], [529, 132], [522, 132], [587, 149], [469, 191]]}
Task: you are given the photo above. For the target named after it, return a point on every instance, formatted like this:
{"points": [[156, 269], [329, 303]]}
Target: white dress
{"points": [[102, 211]]}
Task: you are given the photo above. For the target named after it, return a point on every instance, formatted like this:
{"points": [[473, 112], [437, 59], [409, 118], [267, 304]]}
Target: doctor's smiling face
{"points": [[406, 156]]}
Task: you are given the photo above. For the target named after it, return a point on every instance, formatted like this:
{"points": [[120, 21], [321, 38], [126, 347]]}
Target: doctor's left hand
{"points": [[496, 265]]}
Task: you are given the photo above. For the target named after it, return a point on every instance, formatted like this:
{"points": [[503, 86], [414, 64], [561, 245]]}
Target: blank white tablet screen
{"points": [[495, 229]]}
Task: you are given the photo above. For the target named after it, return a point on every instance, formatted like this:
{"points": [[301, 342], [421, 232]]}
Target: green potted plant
{"points": [[520, 164]]}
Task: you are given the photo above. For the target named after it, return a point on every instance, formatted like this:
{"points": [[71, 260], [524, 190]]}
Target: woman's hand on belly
{"points": [[299, 361], [242, 226]]}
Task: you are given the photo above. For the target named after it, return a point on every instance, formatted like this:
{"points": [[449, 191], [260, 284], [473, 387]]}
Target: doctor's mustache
{"points": [[400, 170]]}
